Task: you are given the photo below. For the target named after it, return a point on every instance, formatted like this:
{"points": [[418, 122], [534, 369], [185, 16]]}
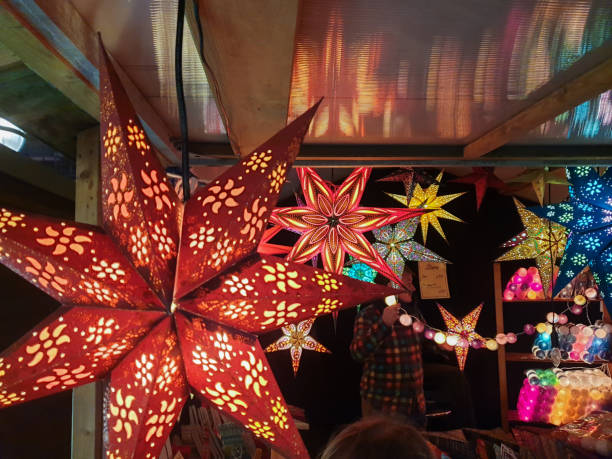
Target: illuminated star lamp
{"points": [[539, 178], [463, 329], [541, 240], [588, 214], [360, 271], [162, 312], [296, 337], [332, 223], [428, 199], [482, 178], [396, 245], [408, 175]]}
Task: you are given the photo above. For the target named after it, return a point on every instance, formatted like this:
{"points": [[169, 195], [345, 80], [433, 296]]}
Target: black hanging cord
{"points": [[180, 96]]}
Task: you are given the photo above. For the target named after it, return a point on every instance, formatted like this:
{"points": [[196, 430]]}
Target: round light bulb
{"points": [[452, 340], [439, 337], [405, 320], [492, 345]]}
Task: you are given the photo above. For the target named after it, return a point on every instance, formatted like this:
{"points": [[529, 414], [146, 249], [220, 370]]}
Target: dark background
{"points": [[327, 385]]}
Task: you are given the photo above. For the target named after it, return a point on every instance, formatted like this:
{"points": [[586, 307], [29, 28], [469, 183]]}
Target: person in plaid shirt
{"points": [[392, 378]]}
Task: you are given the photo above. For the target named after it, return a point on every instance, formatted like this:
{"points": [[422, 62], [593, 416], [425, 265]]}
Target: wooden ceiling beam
{"points": [[249, 47], [53, 39], [35, 173], [581, 88]]}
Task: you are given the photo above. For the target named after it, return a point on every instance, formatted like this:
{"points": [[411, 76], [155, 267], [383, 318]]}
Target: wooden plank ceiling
{"points": [[442, 81]]}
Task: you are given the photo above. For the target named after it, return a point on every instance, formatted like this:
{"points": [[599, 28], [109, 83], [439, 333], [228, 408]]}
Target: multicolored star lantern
{"points": [[360, 271], [541, 240], [464, 329], [332, 223], [482, 178], [538, 178], [428, 199], [588, 214], [296, 338], [159, 311], [396, 245]]}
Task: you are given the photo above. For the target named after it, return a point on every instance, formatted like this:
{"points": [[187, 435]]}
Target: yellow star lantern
{"points": [[296, 338], [464, 329], [539, 178], [428, 199], [541, 240]]}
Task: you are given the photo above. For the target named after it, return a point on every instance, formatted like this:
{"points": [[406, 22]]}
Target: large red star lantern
{"points": [[160, 311], [482, 178], [332, 223], [463, 329]]}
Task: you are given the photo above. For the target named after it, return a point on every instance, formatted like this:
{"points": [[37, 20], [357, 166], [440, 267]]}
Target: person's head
{"points": [[377, 438], [408, 281]]}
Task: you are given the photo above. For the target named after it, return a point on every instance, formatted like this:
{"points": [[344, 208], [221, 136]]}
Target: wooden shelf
{"points": [[528, 357]]}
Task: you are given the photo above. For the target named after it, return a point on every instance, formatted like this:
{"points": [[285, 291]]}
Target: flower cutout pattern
{"points": [[295, 338]]}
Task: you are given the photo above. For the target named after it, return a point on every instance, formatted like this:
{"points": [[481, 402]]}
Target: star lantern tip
{"points": [[126, 317], [464, 328]]}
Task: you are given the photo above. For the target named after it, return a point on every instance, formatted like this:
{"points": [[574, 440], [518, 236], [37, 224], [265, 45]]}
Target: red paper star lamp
{"points": [[482, 178], [332, 223], [162, 312], [296, 337], [463, 329]]}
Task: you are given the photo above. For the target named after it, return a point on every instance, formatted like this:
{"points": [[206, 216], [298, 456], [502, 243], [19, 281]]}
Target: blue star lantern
{"points": [[588, 214]]}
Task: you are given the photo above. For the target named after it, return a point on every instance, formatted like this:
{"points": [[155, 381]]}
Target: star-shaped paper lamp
{"points": [[539, 178], [408, 176], [464, 329], [396, 245], [296, 337], [588, 214], [482, 178], [163, 312], [360, 271], [332, 223], [541, 240], [428, 199]]}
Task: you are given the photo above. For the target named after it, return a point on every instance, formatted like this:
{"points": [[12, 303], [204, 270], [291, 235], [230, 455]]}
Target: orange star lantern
{"points": [[463, 329], [163, 312], [332, 223], [296, 338]]}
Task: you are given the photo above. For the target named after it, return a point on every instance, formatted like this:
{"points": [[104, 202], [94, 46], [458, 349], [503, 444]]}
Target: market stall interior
{"points": [[210, 209]]}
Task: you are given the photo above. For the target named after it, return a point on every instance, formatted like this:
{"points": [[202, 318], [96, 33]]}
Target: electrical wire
{"points": [[210, 74], [180, 96]]}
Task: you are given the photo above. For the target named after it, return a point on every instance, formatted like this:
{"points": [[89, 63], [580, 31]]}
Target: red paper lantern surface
{"points": [[164, 312], [332, 222]]}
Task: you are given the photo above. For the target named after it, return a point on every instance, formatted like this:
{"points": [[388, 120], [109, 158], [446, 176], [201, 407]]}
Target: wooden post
{"points": [[87, 400], [501, 353]]}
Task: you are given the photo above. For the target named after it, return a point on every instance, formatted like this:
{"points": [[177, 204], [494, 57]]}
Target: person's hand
{"points": [[390, 314]]}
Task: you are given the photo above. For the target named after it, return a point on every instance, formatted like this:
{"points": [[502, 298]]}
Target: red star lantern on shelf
{"points": [[464, 329], [296, 337], [163, 312], [482, 178], [332, 223]]}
